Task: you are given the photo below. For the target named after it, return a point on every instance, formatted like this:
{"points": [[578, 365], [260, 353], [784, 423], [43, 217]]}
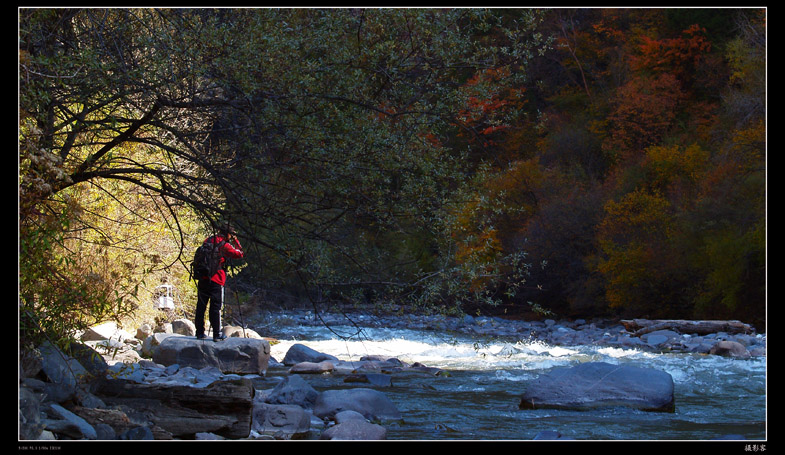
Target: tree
{"points": [[634, 237], [312, 130]]}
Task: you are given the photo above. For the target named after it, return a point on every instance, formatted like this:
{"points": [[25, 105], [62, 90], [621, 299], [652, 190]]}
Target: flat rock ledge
{"points": [[232, 355], [599, 384], [224, 407]]}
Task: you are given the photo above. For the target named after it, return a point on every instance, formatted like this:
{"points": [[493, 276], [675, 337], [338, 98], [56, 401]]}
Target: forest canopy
{"points": [[574, 162]]}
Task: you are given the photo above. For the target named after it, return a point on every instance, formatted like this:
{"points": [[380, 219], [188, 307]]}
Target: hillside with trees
{"points": [[565, 162]]}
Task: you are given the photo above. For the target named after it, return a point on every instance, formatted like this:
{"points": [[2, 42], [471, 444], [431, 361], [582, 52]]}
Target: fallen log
{"points": [[223, 407], [640, 327]]}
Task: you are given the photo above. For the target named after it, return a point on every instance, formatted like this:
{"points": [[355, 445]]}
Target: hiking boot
{"points": [[219, 337], [201, 336]]}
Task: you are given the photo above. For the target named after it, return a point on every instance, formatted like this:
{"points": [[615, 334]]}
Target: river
{"points": [[716, 397]]}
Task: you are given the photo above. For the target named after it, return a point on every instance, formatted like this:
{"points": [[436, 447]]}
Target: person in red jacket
{"points": [[211, 289]]}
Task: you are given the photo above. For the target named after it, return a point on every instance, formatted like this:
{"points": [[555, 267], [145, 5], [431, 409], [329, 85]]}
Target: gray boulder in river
{"points": [[372, 404], [599, 384]]}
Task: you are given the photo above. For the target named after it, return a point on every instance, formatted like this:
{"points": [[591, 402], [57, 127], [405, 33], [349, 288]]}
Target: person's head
{"points": [[226, 230]]}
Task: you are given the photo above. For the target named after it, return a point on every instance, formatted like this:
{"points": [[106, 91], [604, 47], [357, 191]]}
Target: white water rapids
{"points": [[716, 397]]}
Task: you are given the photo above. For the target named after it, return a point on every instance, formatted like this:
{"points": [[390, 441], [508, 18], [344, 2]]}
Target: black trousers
{"points": [[213, 293]]}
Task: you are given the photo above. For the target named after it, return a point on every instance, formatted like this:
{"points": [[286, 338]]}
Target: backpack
{"points": [[207, 259]]}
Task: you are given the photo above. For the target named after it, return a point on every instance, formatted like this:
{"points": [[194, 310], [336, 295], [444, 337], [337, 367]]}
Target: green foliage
{"points": [[58, 292]]}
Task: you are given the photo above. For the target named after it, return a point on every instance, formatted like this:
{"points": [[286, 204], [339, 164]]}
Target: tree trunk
{"points": [[640, 327]]}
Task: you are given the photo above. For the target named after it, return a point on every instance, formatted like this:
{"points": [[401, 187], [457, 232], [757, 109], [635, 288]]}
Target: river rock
{"points": [[374, 379], [88, 358], [298, 353], [184, 327], [64, 373], [343, 416], [239, 331], [72, 424], [293, 390], [355, 429], [372, 404], [284, 421], [548, 435], [106, 331], [599, 384], [153, 341], [660, 337], [232, 355], [325, 366], [144, 331], [30, 425], [730, 349]]}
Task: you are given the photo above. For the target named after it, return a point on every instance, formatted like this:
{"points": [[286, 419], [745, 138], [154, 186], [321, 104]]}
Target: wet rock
{"points": [[343, 416], [374, 379], [298, 353], [372, 404], [660, 337], [355, 429], [730, 349], [285, 421], [293, 390], [599, 384], [322, 367], [548, 435]]}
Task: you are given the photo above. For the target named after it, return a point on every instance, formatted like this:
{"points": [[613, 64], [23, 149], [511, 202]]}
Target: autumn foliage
{"points": [[649, 197]]}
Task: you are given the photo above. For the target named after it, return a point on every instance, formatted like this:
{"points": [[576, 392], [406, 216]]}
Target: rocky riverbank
{"points": [[599, 332], [127, 391]]}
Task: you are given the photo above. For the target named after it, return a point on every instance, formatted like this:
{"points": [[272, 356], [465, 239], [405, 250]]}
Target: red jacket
{"points": [[227, 251]]}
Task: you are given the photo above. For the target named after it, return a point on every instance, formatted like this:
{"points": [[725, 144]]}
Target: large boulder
{"points": [[232, 355], [372, 404], [599, 384], [63, 373]]}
